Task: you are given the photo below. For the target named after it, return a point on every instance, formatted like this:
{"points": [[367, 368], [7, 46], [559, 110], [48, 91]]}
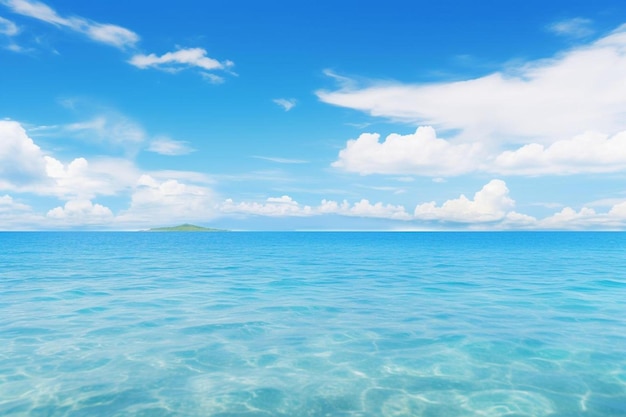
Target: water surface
{"points": [[313, 324]]}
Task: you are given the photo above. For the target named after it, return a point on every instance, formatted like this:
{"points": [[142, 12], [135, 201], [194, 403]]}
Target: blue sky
{"points": [[282, 115]]}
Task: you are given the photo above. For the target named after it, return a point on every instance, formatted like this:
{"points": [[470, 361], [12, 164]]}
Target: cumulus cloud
{"points": [[81, 212], [179, 60], [8, 204], [286, 103], [21, 160], [155, 201], [166, 146], [364, 208], [178, 196], [105, 33], [420, 153], [7, 27], [583, 89], [586, 218], [154, 198], [15, 215], [576, 27], [25, 168], [589, 152], [286, 206], [85, 179], [273, 207], [618, 210], [491, 203]]}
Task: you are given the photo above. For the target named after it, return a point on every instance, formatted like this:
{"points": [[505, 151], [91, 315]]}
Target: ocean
{"points": [[313, 324]]}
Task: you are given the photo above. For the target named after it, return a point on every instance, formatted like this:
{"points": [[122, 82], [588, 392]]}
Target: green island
{"points": [[185, 228]]}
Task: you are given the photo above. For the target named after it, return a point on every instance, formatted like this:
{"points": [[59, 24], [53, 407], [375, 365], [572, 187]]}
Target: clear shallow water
{"points": [[313, 324]]}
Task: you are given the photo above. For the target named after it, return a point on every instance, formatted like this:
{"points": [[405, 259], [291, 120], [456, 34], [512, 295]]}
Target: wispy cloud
{"points": [[166, 146], [178, 60], [576, 28], [544, 101], [286, 103], [7, 27], [212, 78], [118, 37], [109, 128], [281, 160], [359, 125], [109, 34], [342, 81]]}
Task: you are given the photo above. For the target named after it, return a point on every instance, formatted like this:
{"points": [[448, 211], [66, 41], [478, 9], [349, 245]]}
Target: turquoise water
{"points": [[313, 324]]}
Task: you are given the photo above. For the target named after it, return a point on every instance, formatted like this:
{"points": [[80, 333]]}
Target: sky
{"points": [[313, 115]]}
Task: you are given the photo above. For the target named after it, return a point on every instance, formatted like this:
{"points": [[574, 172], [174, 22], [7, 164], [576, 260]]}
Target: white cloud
{"points": [[420, 153], [111, 128], [568, 218], [158, 197], [281, 160], [589, 152], [286, 206], [84, 180], [273, 207], [180, 59], [80, 212], [105, 33], [577, 27], [490, 204], [212, 78], [618, 210], [586, 218], [21, 160], [15, 215], [165, 197], [515, 220], [111, 34], [24, 167], [286, 103], [583, 89], [364, 208], [7, 27], [344, 82], [36, 10], [8, 204], [166, 146], [156, 202]]}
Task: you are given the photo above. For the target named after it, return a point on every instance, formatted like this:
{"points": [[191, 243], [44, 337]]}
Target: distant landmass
{"points": [[185, 228]]}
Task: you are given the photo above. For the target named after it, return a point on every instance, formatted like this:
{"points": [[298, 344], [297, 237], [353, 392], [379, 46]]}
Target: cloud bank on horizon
{"points": [[537, 144]]}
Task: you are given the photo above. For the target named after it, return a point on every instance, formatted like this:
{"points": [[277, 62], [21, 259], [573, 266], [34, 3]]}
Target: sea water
{"points": [[313, 324]]}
